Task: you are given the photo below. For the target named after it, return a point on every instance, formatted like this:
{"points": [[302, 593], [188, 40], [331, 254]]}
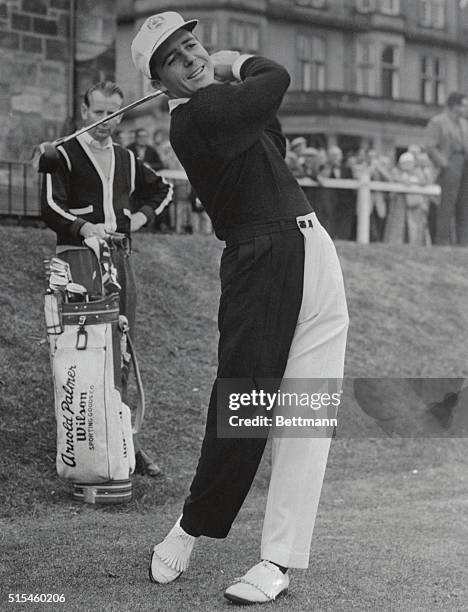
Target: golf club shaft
{"points": [[124, 109]]}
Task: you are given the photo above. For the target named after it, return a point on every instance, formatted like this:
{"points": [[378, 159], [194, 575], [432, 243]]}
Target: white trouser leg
{"points": [[317, 351]]}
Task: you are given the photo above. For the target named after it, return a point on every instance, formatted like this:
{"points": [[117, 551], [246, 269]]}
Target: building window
{"points": [[438, 13], [312, 3], [390, 72], [207, 32], [425, 13], [365, 75], [245, 36], [432, 13], [311, 55], [432, 80], [365, 6], [390, 7]]}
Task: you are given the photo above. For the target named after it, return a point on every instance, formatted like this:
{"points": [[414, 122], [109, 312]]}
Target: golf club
{"points": [[46, 156]]}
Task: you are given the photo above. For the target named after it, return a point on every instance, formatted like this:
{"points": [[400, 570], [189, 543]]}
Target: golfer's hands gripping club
{"points": [[222, 62]]}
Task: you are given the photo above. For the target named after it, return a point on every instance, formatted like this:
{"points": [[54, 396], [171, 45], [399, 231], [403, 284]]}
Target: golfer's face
{"points": [[101, 106], [183, 65]]}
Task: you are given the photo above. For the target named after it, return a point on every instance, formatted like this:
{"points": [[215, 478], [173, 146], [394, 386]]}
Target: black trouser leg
{"points": [[461, 210], [450, 180], [261, 283]]}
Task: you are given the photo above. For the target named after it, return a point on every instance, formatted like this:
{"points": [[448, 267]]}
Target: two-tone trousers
{"points": [[282, 314]]}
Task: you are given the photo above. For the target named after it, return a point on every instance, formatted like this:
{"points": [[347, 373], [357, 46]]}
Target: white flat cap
{"points": [[152, 34]]}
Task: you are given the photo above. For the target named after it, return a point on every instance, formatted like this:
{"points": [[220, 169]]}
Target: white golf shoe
{"points": [[171, 557], [261, 584]]}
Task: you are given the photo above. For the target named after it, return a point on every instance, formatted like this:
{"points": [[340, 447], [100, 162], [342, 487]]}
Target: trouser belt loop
{"points": [[304, 223]]}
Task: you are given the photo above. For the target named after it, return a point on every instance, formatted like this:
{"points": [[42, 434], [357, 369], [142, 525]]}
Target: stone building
{"points": [[364, 72], [51, 51]]}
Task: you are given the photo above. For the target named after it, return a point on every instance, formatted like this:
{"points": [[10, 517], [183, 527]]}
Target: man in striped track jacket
{"points": [[100, 188]]}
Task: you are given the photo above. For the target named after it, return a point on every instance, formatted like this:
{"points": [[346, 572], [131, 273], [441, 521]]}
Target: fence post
{"points": [[363, 209], [10, 188], [25, 190]]}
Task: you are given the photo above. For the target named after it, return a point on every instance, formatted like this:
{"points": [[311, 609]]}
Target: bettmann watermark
{"points": [[289, 407]]}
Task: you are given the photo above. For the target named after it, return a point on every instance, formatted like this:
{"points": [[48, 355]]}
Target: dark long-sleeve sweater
{"points": [[230, 143], [78, 192]]}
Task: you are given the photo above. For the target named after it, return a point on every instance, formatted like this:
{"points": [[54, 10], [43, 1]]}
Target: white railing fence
{"points": [[364, 187]]}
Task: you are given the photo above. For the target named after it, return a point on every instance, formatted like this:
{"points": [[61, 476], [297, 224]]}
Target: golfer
{"points": [[282, 310]]}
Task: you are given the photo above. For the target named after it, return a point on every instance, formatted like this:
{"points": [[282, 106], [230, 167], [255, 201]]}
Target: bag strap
{"points": [[140, 409]]}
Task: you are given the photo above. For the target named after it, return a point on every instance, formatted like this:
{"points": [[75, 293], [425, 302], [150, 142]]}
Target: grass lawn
{"points": [[392, 527]]}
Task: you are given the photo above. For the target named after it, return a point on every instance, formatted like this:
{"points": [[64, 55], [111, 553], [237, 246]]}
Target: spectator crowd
{"points": [[395, 217]]}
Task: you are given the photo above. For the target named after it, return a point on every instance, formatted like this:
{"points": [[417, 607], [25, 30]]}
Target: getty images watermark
{"points": [[368, 408], [282, 408]]}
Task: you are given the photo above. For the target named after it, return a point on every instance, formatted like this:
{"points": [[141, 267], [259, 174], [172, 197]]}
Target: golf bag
{"points": [[89, 347]]}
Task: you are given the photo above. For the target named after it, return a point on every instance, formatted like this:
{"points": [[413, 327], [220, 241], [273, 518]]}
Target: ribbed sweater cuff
{"points": [[237, 65]]}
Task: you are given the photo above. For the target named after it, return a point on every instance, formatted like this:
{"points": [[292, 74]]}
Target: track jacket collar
{"points": [[90, 141]]}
